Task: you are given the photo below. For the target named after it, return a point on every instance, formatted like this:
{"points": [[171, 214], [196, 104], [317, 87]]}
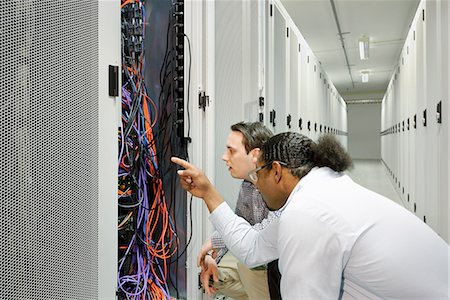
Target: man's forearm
{"points": [[250, 246], [212, 199]]}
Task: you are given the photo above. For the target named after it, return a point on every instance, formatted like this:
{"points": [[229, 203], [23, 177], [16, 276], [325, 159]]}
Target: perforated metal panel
{"points": [[48, 146]]}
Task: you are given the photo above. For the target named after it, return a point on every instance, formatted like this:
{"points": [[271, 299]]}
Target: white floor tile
{"points": [[371, 174]]}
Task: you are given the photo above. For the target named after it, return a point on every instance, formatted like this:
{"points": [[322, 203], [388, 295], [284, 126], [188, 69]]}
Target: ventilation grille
{"points": [[48, 146]]}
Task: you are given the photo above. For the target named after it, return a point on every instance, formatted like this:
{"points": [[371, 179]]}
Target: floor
{"points": [[371, 174]]}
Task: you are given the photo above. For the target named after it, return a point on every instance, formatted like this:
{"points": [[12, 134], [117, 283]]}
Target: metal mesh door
{"points": [[48, 146]]}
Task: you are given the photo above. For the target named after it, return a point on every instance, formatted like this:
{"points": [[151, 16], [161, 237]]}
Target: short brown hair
{"points": [[255, 134]]}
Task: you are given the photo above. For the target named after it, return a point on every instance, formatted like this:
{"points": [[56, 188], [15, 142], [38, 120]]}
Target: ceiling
{"points": [[385, 22]]}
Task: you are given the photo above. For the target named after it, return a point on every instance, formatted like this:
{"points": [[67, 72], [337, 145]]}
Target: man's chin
{"points": [[232, 174], [270, 207]]}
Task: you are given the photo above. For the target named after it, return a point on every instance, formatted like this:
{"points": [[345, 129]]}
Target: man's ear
{"points": [[255, 154], [276, 168]]}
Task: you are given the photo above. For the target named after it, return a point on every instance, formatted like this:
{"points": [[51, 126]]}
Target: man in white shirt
{"points": [[334, 239]]}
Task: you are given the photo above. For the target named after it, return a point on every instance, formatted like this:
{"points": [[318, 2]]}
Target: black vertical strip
{"points": [[439, 112], [287, 31], [423, 14], [271, 10], [424, 118], [113, 76]]}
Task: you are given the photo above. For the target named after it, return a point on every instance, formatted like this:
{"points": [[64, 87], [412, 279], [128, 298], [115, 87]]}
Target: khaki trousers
{"points": [[239, 282]]}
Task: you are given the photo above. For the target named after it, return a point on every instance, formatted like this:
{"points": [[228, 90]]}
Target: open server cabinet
{"points": [[58, 137]]}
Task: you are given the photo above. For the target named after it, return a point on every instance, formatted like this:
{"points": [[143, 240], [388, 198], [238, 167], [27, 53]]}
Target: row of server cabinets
{"points": [[265, 71], [298, 88], [249, 63], [414, 130]]}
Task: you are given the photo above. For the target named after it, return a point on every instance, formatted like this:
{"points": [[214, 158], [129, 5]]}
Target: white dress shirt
{"points": [[337, 240]]}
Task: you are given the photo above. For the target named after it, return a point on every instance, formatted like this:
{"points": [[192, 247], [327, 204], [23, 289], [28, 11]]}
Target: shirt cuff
{"points": [[221, 253], [216, 240], [221, 216]]}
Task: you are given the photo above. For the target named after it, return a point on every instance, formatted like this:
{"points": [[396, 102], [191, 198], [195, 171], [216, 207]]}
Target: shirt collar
{"points": [[315, 172]]}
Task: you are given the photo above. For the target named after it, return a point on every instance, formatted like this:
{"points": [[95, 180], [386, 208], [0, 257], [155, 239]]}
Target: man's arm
{"points": [[217, 241], [208, 273], [250, 206], [217, 244], [195, 182], [249, 245], [208, 247]]}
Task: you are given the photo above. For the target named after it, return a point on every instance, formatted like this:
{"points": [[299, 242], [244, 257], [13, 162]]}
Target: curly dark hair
{"points": [[330, 153], [255, 134], [301, 154]]}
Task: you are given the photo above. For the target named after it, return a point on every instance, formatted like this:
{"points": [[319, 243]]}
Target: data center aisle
{"points": [[371, 174]]}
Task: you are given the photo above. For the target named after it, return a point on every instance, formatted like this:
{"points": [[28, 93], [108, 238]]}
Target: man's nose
{"points": [[224, 156]]}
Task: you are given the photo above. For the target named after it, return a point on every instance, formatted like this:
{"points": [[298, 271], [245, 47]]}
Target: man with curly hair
{"points": [[334, 238]]}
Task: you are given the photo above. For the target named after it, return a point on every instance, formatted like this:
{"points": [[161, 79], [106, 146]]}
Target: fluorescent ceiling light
{"points": [[365, 76], [363, 47]]}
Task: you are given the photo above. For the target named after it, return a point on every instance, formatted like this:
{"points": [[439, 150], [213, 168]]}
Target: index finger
{"points": [[180, 162]]}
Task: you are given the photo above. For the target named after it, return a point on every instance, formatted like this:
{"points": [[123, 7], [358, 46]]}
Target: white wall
{"points": [[364, 123]]}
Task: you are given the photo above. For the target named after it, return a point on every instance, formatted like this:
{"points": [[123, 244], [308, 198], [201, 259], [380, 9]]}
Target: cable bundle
{"points": [[147, 233]]}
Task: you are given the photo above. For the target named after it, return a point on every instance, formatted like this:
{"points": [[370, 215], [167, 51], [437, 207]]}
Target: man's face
{"points": [[239, 163], [265, 185], [269, 185]]}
